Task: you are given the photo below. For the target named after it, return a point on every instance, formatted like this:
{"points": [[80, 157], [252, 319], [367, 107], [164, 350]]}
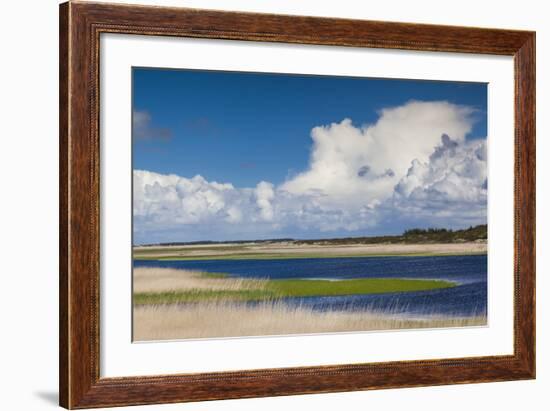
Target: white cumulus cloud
{"points": [[358, 164], [413, 165], [450, 185], [264, 196]]}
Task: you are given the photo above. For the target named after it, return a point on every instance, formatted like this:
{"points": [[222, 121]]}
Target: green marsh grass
{"points": [[176, 304], [273, 289]]}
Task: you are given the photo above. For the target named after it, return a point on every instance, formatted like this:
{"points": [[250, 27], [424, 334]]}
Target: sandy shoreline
{"points": [[291, 250]]}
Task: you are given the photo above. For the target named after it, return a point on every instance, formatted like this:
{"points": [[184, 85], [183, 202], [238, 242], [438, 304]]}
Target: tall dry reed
{"points": [[219, 319], [153, 279]]}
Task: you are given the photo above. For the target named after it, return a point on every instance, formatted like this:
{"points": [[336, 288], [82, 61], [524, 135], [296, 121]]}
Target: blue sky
{"points": [[249, 127], [272, 155]]}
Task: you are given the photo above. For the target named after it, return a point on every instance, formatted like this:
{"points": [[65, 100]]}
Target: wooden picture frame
{"points": [[80, 27]]}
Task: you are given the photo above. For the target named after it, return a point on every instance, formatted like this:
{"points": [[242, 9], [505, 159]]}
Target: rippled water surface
{"points": [[468, 298]]}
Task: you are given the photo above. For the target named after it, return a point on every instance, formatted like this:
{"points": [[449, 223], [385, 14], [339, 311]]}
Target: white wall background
{"points": [[28, 206]]}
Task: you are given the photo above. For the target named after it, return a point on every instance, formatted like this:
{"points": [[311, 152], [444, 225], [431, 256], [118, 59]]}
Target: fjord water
{"points": [[469, 272]]}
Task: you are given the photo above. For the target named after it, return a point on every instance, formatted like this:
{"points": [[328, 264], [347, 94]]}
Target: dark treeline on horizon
{"points": [[413, 235]]}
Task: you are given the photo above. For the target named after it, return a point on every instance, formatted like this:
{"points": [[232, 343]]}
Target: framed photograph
{"points": [[259, 205]]}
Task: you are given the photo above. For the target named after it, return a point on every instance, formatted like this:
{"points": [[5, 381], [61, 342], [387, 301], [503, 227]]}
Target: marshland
{"points": [[289, 287]]}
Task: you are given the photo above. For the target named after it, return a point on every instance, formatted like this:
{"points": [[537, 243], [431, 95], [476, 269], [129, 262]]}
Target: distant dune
{"points": [[301, 250]]}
